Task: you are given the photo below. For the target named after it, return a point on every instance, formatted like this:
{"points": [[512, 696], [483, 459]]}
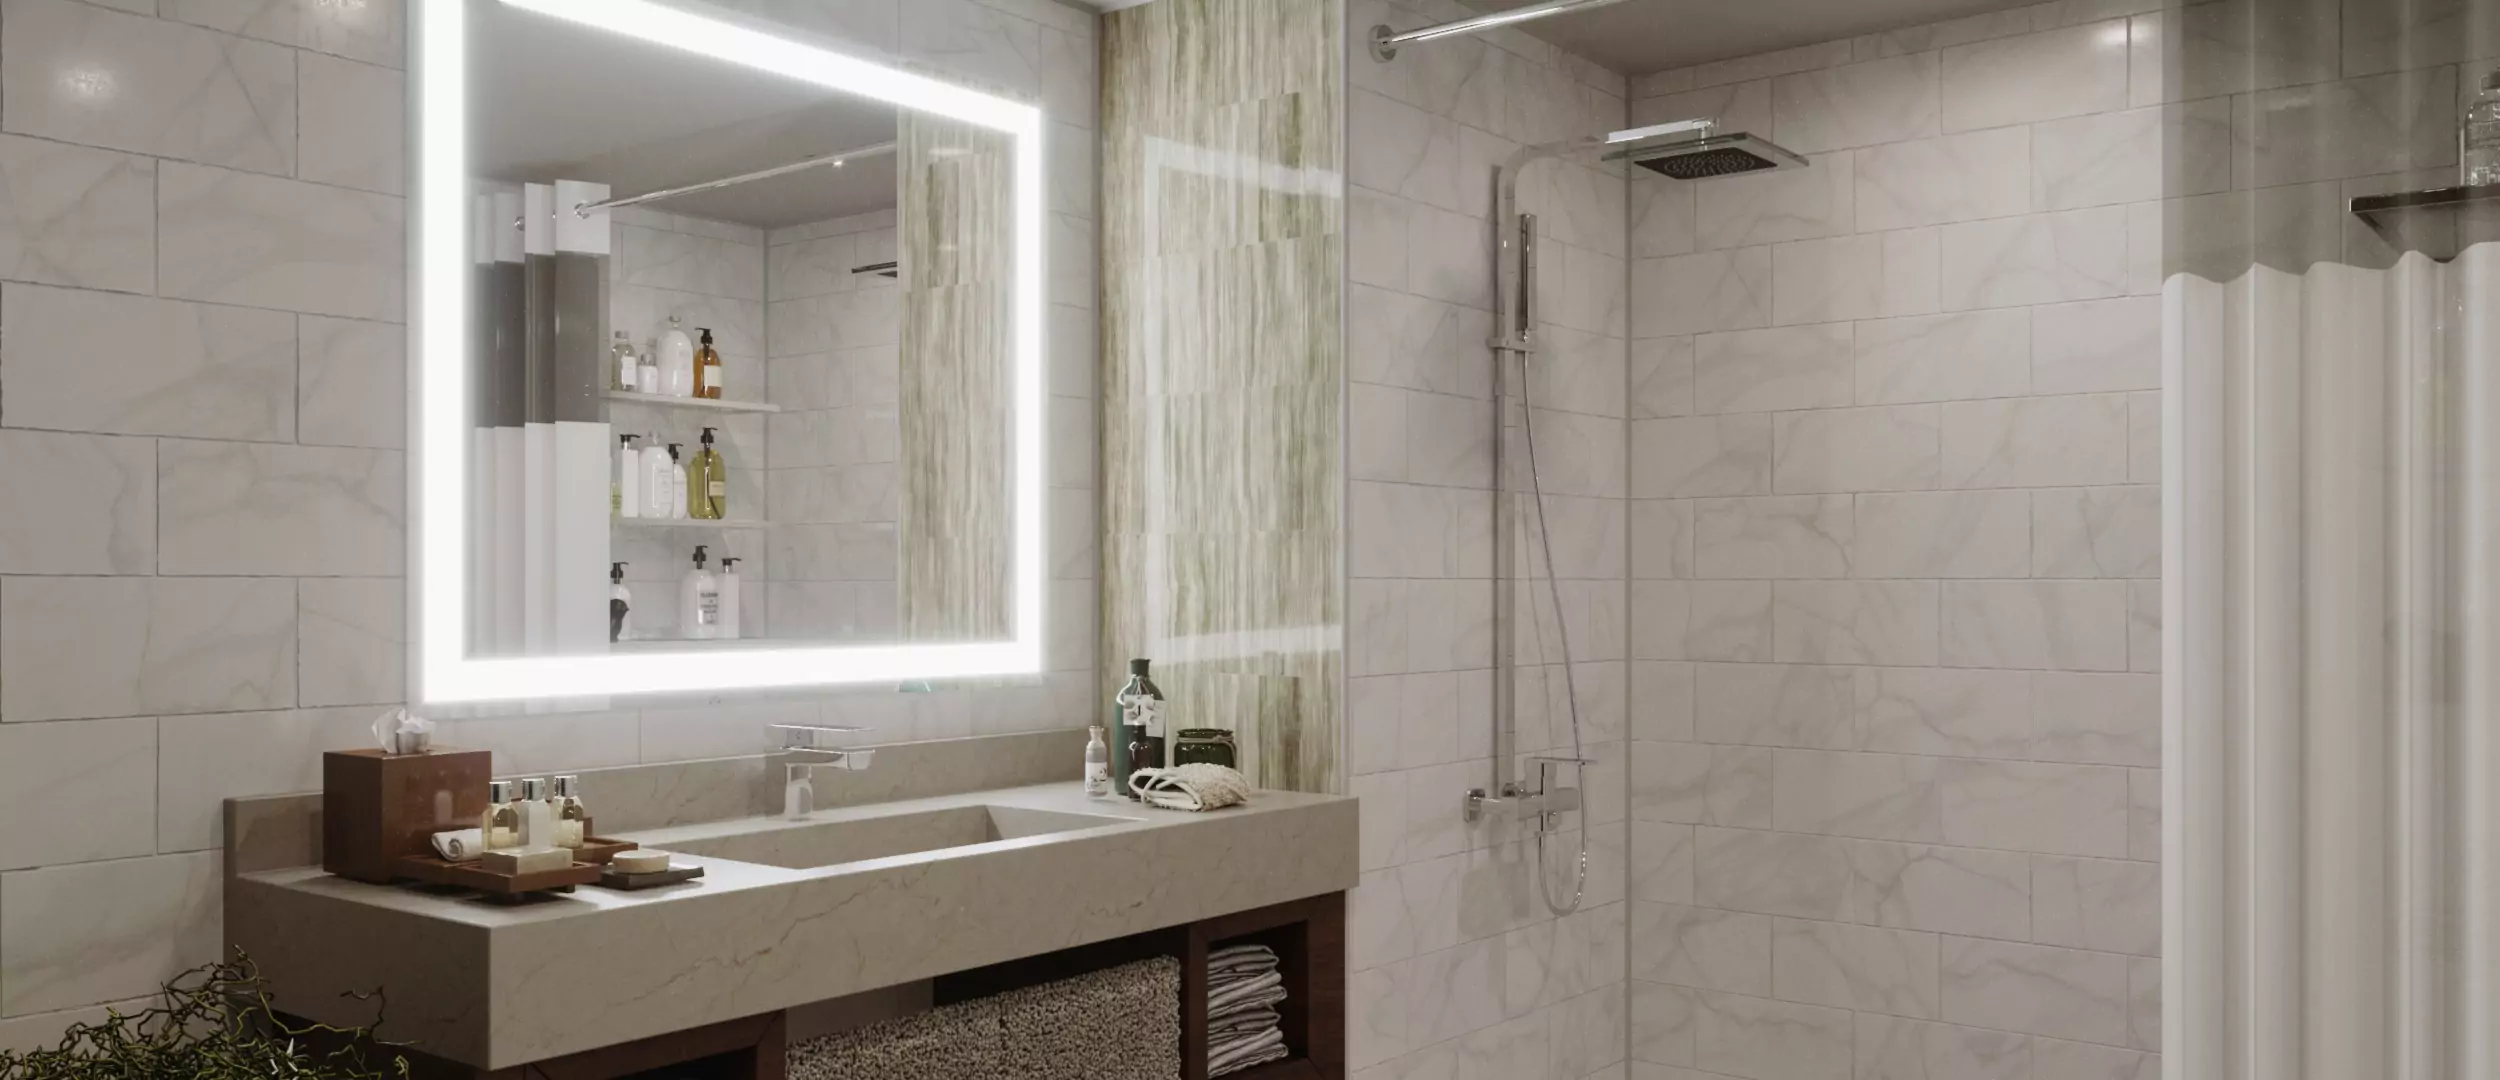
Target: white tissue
{"points": [[399, 731]]}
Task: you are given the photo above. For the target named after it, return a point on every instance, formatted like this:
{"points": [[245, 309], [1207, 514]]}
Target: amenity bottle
{"points": [[676, 362], [2481, 147]]}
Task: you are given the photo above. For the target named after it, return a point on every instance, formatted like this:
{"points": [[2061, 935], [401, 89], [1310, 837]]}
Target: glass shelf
{"points": [[2381, 211], [671, 401], [689, 523]]}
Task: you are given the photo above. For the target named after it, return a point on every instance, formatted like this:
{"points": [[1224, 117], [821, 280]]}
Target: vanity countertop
{"points": [[494, 985]]}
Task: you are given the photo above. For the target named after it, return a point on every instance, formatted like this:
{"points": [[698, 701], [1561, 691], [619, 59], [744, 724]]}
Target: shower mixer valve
{"points": [[1547, 802]]}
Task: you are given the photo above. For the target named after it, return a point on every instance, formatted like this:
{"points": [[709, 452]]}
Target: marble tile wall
{"points": [[201, 397], [1895, 727], [1461, 967]]}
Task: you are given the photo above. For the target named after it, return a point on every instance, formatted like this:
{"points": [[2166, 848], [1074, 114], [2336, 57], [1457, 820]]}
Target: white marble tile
{"points": [[1701, 456], [1660, 377], [105, 931], [1730, 621], [2041, 991], [1945, 711], [555, 742], [1949, 889], [1738, 106], [2043, 76], [1661, 217], [2103, 532], [1765, 65], [2097, 345], [1867, 276], [1889, 1048], [2100, 904], [974, 42], [2378, 36], [146, 367], [839, 494], [1855, 967], [2057, 1059], [1798, 367], [351, 641], [687, 262], [129, 646], [1928, 37], [2131, 156], [1879, 101], [2109, 719], [1776, 207], [1973, 354], [2035, 259], [1376, 238], [2144, 815], [205, 760], [1772, 873], [237, 238], [1759, 1038], [1661, 1028], [2038, 625], [2036, 806], [1661, 862], [2144, 438], [2144, 1003], [2356, 127], [1449, 440], [80, 790], [1701, 948], [1701, 784], [349, 120], [369, 30], [1375, 1015], [1854, 622], [1776, 705], [85, 75], [1445, 258], [1661, 700], [1776, 537], [1945, 534], [1587, 1033], [1661, 538], [1890, 448], [257, 509], [1699, 293], [1935, 181], [351, 383], [1868, 796], [2036, 442], [71, 215], [97, 500]]}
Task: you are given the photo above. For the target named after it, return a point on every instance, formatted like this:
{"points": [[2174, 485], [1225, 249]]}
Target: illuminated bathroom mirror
{"points": [[730, 361]]}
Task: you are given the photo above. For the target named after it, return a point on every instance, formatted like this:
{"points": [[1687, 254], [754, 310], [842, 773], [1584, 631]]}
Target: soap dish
{"points": [[614, 878]]}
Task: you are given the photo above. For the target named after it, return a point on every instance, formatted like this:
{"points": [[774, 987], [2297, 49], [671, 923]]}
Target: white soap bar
{"points": [[639, 862], [524, 860]]}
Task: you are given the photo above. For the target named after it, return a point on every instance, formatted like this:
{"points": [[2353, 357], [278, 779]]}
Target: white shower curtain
{"points": [[2332, 606]]}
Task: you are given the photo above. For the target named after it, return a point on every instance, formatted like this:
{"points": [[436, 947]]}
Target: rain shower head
{"points": [[1695, 150]]}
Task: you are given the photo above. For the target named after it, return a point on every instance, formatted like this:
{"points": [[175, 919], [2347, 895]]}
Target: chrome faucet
{"points": [[800, 756], [1547, 802]]}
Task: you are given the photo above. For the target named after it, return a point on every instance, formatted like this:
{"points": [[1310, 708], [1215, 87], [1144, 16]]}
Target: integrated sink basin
{"points": [[805, 845]]}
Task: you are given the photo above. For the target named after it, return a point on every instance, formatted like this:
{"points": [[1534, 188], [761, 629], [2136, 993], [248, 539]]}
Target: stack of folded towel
{"points": [[1243, 1027]]}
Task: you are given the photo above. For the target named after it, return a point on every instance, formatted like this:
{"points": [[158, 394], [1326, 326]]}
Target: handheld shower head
{"points": [[1695, 150]]}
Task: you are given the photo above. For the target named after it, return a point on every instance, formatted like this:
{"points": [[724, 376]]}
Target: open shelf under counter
{"points": [[672, 401], [689, 523]]}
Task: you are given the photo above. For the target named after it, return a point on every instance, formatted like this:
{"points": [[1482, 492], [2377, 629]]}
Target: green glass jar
{"points": [[1207, 745]]}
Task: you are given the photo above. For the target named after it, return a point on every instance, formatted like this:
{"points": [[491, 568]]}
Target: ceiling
{"points": [[1637, 37], [554, 100]]}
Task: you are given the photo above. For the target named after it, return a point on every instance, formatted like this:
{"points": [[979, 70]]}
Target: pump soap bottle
{"points": [[707, 370], [627, 499], [620, 602], [708, 493], [677, 480], [656, 496], [628, 367], [698, 600]]}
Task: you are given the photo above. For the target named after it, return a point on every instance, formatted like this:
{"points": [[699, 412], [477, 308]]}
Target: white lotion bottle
{"points": [[647, 373], [629, 472], [698, 601], [676, 361], [676, 480], [655, 474], [620, 605], [727, 629], [538, 816]]}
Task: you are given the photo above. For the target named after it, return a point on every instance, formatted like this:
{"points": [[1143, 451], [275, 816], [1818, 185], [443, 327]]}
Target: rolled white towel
{"points": [[1195, 786], [459, 845]]}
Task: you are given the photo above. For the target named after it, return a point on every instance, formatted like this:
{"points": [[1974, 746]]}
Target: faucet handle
{"points": [[803, 736]]}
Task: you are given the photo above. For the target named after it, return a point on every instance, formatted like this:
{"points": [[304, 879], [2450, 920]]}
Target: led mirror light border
{"points": [[443, 670]]}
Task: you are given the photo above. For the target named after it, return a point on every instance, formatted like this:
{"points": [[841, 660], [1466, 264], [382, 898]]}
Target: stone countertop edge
{"points": [[496, 986]]}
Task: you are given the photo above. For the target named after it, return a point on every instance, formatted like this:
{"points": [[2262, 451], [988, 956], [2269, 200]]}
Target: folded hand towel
{"points": [[1230, 952], [1218, 1000], [1245, 1053], [1246, 1022], [1195, 786], [1238, 970]]}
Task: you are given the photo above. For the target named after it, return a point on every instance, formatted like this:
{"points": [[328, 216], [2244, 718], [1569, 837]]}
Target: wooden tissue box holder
{"points": [[377, 808]]}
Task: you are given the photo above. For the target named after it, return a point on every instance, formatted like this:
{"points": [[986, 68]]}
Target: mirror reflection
{"points": [[741, 372]]}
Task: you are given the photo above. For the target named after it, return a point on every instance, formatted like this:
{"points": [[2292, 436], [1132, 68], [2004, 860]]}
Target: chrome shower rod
{"points": [[1385, 41], [819, 161]]}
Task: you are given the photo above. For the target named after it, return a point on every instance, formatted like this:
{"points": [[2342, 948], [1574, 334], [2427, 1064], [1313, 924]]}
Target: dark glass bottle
{"points": [[1136, 728]]}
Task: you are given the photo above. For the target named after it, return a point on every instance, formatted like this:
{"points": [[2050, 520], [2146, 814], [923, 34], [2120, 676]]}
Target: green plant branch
{"points": [[214, 1022]]}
